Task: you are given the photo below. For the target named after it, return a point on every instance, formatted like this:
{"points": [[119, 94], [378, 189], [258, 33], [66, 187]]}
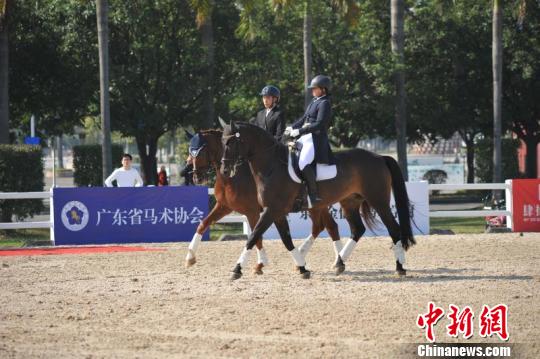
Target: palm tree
{"points": [[398, 42], [204, 10], [348, 10], [102, 12], [4, 65], [497, 90]]}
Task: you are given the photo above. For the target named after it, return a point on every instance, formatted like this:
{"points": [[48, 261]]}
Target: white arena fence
{"points": [[238, 218]]}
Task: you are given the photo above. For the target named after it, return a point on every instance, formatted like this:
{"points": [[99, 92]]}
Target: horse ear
{"points": [[222, 122], [233, 126], [189, 136]]}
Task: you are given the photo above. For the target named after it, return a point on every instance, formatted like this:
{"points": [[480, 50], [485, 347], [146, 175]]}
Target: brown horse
{"points": [[364, 180], [240, 194]]}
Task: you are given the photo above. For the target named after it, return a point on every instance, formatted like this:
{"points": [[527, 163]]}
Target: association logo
{"points": [[75, 216]]}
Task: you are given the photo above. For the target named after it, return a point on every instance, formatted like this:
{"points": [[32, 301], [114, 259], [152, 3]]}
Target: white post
{"points": [[33, 126], [245, 227], [508, 198], [53, 164], [51, 211]]}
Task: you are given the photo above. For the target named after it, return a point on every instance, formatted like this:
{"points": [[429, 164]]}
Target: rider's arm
{"points": [[323, 118], [280, 126]]}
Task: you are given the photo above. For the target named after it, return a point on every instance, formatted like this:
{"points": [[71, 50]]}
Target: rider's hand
{"points": [[306, 125], [288, 130], [295, 133]]}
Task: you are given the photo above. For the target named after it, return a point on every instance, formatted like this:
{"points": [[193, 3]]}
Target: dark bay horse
{"points": [[239, 194], [364, 181]]}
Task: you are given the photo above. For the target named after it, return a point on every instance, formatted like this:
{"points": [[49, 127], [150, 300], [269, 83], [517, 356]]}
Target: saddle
{"points": [[323, 172]]}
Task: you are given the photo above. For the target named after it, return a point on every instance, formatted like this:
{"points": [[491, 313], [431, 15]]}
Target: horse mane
{"points": [[211, 132]]}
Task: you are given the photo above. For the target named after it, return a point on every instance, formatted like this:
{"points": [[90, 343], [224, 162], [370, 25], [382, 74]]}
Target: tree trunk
{"points": [[208, 100], [4, 93], [469, 143], [102, 12], [307, 51], [398, 43], [497, 92], [59, 152], [531, 160], [148, 159]]}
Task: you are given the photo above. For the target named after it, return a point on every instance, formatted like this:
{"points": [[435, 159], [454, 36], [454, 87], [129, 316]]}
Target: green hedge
{"points": [[484, 159], [87, 164], [21, 170]]}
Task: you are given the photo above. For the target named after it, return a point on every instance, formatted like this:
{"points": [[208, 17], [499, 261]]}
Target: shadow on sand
{"points": [[420, 276]]}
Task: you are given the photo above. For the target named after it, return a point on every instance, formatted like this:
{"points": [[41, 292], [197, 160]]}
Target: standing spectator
{"points": [[162, 177], [187, 172], [125, 176]]}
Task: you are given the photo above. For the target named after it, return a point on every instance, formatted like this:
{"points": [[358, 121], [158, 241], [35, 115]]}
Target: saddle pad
{"points": [[324, 171]]}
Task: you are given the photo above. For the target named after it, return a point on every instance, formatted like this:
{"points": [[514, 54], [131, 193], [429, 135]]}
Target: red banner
{"points": [[526, 205]]}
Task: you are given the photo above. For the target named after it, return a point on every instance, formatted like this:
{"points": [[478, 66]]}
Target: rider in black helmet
{"points": [[312, 128], [271, 117]]}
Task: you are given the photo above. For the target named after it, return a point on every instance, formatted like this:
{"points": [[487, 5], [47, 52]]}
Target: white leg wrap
{"points": [[399, 252], [262, 257], [244, 257], [298, 258], [338, 246], [306, 246], [195, 241], [345, 253]]}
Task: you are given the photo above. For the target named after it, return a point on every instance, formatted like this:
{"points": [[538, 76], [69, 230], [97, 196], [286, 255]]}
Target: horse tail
{"points": [[368, 215], [402, 202]]}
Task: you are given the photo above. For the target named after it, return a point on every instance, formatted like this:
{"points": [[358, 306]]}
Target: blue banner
{"points": [[96, 215]]}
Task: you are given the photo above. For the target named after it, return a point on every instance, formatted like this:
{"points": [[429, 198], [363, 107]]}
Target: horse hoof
{"points": [[304, 272], [237, 272], [339, 266], [400, 270], [258, 269], [190, 262]]}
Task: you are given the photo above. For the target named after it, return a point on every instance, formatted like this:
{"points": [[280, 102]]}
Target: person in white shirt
{"points": [[125, 176]]}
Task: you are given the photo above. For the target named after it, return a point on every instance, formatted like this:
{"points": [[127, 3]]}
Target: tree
{"points": [[158, 76], [522, 74], [398, 44], [204, 10], [102, 13], [4, 68], [54, 68], [497, 90]]}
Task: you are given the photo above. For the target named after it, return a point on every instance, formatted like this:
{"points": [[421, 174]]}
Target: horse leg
{"points": [[393, 229], [264, 222], [332, 229], [283, 228], [351, 210], [316, 228], [262, 258], [219, 211]]}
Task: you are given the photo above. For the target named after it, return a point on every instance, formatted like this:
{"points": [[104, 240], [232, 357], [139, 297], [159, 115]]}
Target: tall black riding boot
{"points": [[309, 176]]}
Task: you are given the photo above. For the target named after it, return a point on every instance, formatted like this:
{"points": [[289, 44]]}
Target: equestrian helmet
{"points": [[321, 81]]}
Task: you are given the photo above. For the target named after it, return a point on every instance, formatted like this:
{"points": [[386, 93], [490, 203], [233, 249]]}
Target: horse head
{"points": [[241, 142], [205, 152]]}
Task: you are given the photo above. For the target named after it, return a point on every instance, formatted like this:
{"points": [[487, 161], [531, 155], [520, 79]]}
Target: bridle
{"points": [[240, 160]]}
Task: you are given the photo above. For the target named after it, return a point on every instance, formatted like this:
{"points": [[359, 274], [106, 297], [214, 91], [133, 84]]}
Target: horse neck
{"points": [[262, 156]]}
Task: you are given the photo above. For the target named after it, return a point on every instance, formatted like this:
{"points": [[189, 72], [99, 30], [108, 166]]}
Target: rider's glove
{"points": [[288, 130], [295, 133]]}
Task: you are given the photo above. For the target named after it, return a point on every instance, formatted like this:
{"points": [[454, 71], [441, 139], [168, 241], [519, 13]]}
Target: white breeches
{"points": [[307, 155]]}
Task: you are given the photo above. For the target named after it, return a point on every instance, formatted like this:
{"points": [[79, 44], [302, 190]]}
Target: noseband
{"points": [[241, 160]]}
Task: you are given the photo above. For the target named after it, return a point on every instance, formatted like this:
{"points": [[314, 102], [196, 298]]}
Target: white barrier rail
{"points": [[238, 218]]}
